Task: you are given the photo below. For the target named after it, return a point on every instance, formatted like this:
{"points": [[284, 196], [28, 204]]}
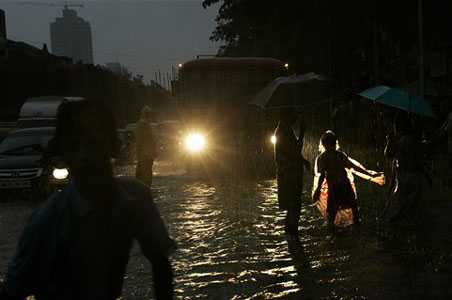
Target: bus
{"points": [[224, 135]]}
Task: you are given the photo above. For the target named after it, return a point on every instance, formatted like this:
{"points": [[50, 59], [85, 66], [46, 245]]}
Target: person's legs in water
{"points": [[331, 209], [330, 217], [293, 209], [293, 216], [143, 172]]}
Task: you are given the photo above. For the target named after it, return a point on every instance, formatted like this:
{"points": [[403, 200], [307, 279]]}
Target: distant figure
{"points": [[77, 244], [338, 190], [404, 206], [146, 145], [445, 130], [289, 164]]}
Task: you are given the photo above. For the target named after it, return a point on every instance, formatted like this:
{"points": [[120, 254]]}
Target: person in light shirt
{"points": [[333, 167]]}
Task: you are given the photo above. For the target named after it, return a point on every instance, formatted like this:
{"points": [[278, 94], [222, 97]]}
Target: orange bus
{"points": [[225, 135]]}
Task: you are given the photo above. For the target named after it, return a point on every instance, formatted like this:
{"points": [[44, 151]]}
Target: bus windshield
{"points": [[233, 86]]}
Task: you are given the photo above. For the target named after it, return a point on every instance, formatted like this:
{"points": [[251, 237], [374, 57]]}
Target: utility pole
{"points": [[421, 46], [375, 44]]}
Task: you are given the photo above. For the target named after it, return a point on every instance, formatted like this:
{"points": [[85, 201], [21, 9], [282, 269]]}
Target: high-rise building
{"points": [[2, 33], [71, 36]]}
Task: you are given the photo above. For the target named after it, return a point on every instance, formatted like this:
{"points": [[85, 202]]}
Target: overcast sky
{"points": [[145, 35]]}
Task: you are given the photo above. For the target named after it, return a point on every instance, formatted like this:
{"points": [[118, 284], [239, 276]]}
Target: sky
{"points": [[145, 36]]}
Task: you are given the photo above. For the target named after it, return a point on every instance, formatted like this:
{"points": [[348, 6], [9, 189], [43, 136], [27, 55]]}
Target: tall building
{"points": [[2, 33], [71, 36]]}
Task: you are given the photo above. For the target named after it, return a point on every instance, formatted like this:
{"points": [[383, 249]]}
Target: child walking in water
{"points": [[338, 191]]}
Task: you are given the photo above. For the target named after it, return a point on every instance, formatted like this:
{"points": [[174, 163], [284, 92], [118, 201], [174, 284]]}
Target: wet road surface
{"points": [[232, 245]]}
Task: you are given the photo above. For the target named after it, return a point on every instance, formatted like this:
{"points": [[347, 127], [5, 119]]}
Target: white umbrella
{"points": [[296, 91]]}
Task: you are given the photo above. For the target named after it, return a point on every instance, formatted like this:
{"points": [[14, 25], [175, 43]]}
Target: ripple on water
{"points": [[232, 246]]}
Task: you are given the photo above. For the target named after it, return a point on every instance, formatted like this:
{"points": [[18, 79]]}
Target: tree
{"points": [[359, 42], [310, 34]]}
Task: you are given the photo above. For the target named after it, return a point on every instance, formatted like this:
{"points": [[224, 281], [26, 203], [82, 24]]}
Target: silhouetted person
{"points": [[445, 131], [331, 164], [404, 206], [289, 164], [146, 145], [77, 244]]}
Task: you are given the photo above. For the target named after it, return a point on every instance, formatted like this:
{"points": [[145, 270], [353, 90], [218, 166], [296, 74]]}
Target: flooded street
{"points": [[232, 245], [229, 90]]}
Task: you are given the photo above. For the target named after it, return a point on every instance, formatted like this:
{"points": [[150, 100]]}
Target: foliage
{"points": [[359, 42]]}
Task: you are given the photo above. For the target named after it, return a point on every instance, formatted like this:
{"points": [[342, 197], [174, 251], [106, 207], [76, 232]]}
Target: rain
{"points": [[277, 150]]}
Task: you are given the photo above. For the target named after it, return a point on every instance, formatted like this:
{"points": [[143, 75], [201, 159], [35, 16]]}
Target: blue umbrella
{"points": [[400, 99]]}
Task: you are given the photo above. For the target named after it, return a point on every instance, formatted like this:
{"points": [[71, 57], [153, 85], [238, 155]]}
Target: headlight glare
{"points": [[195, 142], [60, 174], [273, 139]]}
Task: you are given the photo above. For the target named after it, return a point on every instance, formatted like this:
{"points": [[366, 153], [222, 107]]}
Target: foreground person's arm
{"points": [[163, 277], [156, 245]]}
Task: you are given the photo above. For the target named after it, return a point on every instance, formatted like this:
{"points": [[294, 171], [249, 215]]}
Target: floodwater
{"points": [[232, 245]]}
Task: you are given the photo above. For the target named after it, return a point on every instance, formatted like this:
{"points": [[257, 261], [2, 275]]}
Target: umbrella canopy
{"points": [[399, 99], [296, 91]]}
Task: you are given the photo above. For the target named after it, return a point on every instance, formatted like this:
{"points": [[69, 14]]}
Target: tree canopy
{"points": [[356, 41]]}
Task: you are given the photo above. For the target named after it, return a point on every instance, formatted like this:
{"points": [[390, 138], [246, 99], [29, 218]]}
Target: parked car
{"points": [[23, 167], [5, 128]]}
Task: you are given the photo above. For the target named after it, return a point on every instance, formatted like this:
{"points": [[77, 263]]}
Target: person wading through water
{"points": [[146, 144], [289, 164], [336, 167]]}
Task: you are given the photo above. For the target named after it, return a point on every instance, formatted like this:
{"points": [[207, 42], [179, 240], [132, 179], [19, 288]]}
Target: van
{"points": [[41, 111]]}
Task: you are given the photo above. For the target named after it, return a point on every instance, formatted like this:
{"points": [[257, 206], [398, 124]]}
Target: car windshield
{"points": [[30, 143]]}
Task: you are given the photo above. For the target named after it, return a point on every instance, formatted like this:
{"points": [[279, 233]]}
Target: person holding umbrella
{"points": [[289, 164]]}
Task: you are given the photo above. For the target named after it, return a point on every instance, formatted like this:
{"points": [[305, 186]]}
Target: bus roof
{"points": [[228, 63]]}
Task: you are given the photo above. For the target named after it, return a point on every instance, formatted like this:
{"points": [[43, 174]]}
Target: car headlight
{"points": [[60, 174], [195, 142], [273, 139]]}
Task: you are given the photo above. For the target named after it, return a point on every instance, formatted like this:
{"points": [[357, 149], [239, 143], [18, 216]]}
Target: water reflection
{"points": [[232, 245]]}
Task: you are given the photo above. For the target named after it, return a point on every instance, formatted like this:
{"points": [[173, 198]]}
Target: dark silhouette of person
{"points": [[77, 244], [289, 164], [404, 207], [331, 164], [444, 131], [146, 145]]}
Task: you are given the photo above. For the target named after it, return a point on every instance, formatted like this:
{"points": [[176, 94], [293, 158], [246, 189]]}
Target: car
{"points": [[24, 167]]}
